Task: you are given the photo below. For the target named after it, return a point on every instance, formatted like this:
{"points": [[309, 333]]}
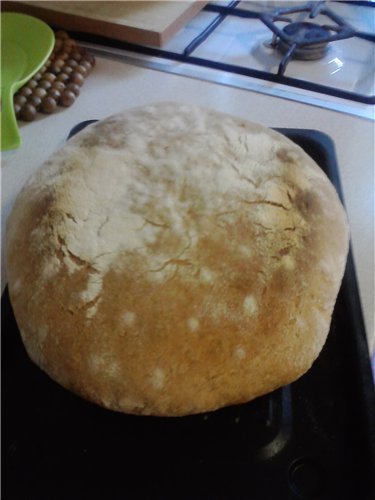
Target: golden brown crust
{"points": [[172, 260]]}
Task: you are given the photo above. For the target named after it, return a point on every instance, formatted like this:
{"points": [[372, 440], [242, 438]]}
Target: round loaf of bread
{"points": [[172, 260]]}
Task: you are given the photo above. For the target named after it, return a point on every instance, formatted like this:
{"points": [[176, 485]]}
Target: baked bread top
{"points": [[172, 260]]}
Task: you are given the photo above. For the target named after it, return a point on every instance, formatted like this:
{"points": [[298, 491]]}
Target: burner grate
{"points": [[304, 40]]}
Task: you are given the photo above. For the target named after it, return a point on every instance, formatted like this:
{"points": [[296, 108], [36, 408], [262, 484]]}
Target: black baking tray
{"points": [[313, 439]]}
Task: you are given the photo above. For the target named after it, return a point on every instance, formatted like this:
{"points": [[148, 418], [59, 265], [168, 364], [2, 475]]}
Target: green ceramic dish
{"points": [[26, 43]]}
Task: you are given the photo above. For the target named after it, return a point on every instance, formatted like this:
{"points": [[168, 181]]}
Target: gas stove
{"points": [[320, 53]]}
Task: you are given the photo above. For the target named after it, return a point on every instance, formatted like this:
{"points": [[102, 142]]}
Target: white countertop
{"points": [[114, 86]]}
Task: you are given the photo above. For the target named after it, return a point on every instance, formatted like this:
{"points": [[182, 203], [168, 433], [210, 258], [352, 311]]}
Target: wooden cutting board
{"points": [[150, 23]]}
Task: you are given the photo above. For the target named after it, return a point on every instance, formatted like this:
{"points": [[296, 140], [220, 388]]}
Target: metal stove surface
{"points": [[243, 43], [348, 64]]}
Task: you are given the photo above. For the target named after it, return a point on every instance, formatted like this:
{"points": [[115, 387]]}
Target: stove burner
{"points": [[311, 39], [304, 40]]}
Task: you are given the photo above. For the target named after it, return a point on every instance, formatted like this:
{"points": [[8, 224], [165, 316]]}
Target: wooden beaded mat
{"points": [[59, 81]]}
